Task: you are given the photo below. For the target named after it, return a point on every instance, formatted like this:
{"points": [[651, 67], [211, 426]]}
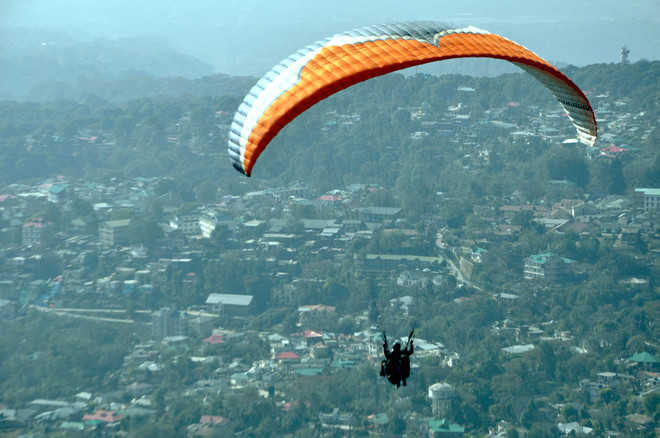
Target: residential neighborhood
{"points": [[256, 292]]}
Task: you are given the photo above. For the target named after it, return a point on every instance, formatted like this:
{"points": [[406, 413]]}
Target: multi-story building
{"points": [[650, 198], [207, 224], [189, 224], [167, 322], [113, 233], [33, 232], [441, 395]]}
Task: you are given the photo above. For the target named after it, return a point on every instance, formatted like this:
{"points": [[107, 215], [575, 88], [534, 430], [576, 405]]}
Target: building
{"points": [[167, 322], [441, 394], [644, 359], [230, 304], [549, 267], [57, 192], [112, 233], [189, 224], [650, 198], [200, 325], [207, 224], [32, 232]]}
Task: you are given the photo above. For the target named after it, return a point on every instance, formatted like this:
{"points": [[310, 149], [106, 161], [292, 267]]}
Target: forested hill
{"points": [[419, 131], [133, 85], [41, 65]]}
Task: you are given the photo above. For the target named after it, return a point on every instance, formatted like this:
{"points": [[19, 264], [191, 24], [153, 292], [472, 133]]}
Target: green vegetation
{"points": [[590, 323]]}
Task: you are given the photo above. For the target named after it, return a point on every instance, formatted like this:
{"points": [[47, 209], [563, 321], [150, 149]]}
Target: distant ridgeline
{"points": [[129, 85], [422, 133]]}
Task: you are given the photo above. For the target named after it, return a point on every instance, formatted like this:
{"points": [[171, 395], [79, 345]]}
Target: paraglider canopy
{"points": [[335, 63]]}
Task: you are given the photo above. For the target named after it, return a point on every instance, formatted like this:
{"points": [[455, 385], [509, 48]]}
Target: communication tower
{"points": [[624, 55]]}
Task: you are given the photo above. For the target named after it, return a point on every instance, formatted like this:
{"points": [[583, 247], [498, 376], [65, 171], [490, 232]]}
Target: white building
{"points": [[230, 303], [441, 394], [207, 224]]}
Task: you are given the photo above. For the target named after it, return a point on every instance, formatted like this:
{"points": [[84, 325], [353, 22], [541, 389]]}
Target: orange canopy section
{"points": [[319, 70]]}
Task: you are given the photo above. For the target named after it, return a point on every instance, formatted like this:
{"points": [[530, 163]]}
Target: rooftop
{"points": [[229, 299]]}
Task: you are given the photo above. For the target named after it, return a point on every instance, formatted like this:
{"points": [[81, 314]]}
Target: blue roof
{"points": [[543, 258], [445, 426], [309, 371]]}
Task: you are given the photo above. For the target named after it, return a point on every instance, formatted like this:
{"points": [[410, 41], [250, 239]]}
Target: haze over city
{"points": [[241, 37]]}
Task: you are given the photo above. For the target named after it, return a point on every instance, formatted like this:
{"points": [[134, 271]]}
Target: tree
{"points": [[145, 231], [569, 413], [82, 208], [567, 164], [206, 192], [652, 404]]}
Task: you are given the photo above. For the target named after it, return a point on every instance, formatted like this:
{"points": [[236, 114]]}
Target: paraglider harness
{"points": [[397, 368]]}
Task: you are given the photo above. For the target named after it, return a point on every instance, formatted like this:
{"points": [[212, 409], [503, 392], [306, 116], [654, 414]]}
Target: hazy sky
{"points": [[249, 36]]}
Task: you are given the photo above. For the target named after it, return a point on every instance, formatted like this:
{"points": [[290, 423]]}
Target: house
{"points": [[230, 304], [287, 359], [644, 359], [312, 337]]}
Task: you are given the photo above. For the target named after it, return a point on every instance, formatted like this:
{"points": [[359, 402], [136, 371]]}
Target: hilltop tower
{"points": [[624, 55]]}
